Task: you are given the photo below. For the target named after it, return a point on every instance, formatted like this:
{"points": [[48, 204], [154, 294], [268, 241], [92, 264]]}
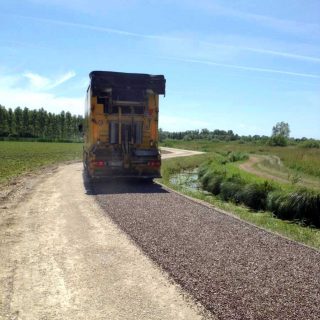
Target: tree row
{"points": [[26, 123]]}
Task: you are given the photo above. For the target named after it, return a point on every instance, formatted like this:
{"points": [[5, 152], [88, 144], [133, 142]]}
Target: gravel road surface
{"points": [[234, 269], [61, 257]]}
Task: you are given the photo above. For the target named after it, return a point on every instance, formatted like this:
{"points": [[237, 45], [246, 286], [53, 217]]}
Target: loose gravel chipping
{"points": [[235, 270]]}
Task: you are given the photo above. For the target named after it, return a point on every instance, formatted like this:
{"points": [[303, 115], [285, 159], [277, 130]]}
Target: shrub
{"points": [[306, 206], [302, 205], [203, 169], [230, 190], [278, 140], [214, 184], [273, 201], [310, 144], [206, 178], [254, 195], [237, 156]]}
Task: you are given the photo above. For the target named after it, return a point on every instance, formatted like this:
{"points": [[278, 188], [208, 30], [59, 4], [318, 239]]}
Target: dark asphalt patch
{"points": [[235, 270]]}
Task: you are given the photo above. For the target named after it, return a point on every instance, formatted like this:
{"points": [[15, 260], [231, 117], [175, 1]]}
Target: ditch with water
{"points": [[188, 180]]}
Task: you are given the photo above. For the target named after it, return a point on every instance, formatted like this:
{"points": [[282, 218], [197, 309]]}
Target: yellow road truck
{"points": [[121, 125]]}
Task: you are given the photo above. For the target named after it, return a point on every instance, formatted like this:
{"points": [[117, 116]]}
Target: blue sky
{"points": [[240, 65]]}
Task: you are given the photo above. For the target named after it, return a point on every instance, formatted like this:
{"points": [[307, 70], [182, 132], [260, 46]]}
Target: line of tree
{"points": [[280, 136], [39, 124], [224, 135]]}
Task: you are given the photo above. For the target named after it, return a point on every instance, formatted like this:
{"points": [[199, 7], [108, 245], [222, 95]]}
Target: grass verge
{"points": [[266, 220], [298, 159], [286, 202]]}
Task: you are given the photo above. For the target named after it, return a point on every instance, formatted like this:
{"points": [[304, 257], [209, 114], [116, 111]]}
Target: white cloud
{"points": [[263, 51], [284, 25], [63, 78], [247, 68], [34, 100], [14, 92], [278, 24], [216, 8], [8, 81], [181, 43], [38, 82]]}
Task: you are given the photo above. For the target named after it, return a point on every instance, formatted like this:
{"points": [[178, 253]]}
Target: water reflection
{"points": [[187, 179]]}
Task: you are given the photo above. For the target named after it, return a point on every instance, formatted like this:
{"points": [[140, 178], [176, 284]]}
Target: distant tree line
{"points": [[279, 136], [221, 135], [39, 124]]}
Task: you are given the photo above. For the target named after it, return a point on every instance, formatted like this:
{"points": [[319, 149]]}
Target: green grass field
{"points": [[300, 160], [307, 165], [21, 157]]}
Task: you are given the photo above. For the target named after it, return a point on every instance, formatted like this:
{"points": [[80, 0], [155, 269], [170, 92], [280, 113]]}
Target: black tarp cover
{"points": [[126, 85]]}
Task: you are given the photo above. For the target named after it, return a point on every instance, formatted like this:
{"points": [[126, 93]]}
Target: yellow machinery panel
{"points": [[121, 125]]}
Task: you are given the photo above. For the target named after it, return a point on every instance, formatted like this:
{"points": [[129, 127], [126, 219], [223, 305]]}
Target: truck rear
{"points": [[121, 125]]}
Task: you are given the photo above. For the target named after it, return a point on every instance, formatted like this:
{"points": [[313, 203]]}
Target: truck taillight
{"points": [[154, 163], [98, 163]]}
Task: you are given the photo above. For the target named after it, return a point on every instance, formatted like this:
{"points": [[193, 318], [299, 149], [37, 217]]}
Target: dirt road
{"points": [[249, 166], [255, 165], [61, 257], [168, 153]]}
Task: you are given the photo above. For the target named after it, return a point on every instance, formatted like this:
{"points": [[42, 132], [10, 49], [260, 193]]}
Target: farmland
{"points": [[287, 188], [297, 163], [299, 159], [21, 157]]}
